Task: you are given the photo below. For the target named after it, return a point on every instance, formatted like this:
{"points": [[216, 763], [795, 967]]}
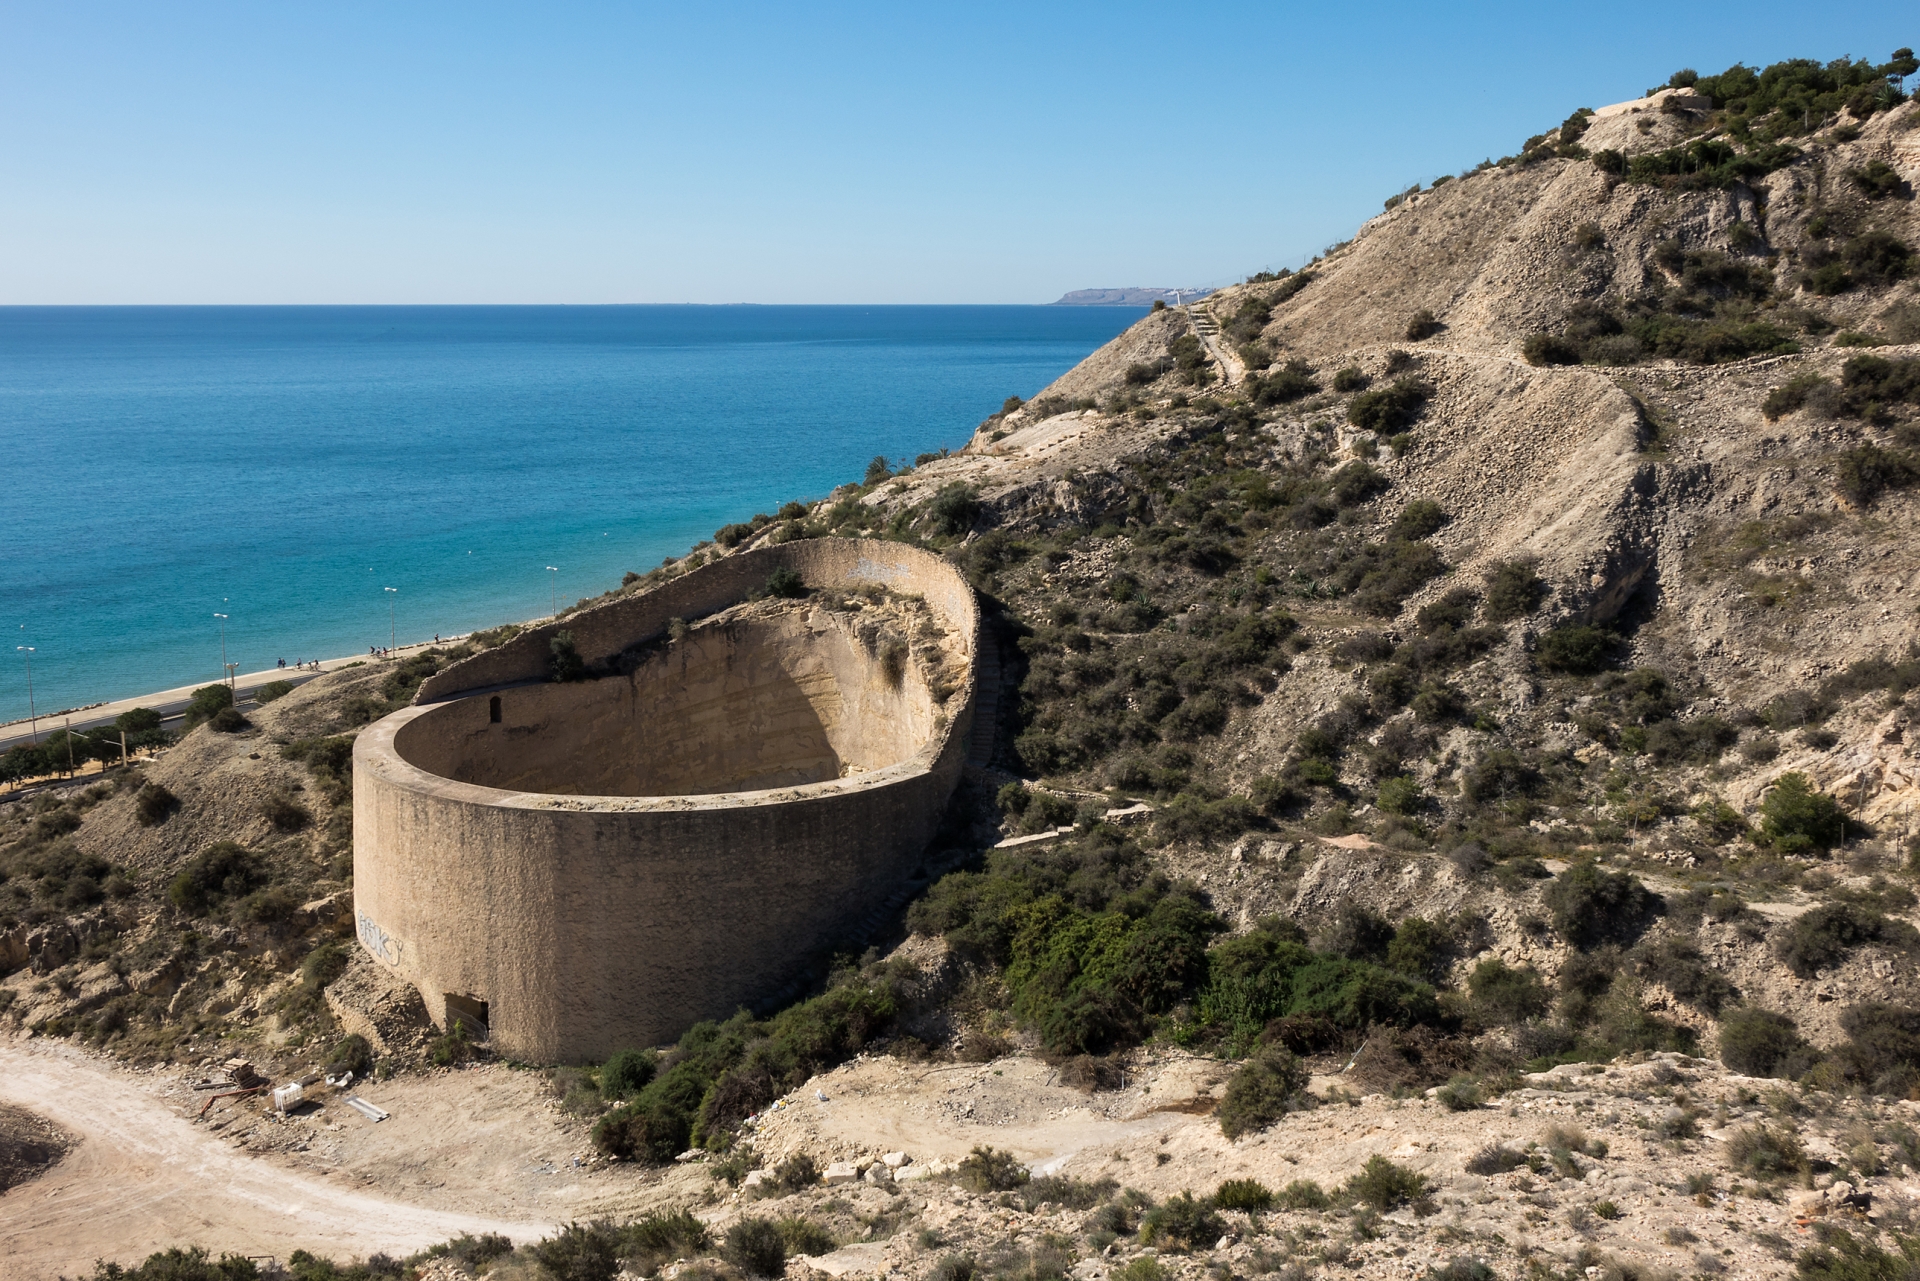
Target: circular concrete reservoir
{"points": [[737, 784]]}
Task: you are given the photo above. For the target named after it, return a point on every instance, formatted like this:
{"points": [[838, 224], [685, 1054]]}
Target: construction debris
{"points": [[366, 1109]]}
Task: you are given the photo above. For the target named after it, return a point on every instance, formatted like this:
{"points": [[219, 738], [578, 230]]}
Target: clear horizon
{"points": [[845, 155]]}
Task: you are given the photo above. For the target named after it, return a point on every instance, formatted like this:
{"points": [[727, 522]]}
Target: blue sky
{"points": [[381, 153]]}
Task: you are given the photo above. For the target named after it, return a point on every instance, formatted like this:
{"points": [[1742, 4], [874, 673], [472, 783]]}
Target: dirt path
{"points": [[143, 1177]]}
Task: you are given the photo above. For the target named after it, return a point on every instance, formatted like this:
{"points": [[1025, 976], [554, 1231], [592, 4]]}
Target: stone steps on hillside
{"points": [[986, 703]]}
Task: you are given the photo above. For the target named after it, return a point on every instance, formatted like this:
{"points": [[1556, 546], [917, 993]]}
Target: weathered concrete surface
{"points": [[538, 864]]}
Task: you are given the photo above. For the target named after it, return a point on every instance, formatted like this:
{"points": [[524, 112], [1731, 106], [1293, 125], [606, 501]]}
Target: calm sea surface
{"points": [[285, 465]]}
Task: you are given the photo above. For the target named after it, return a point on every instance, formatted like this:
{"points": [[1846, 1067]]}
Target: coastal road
{"points": [[143, 1176], [172, 703]]}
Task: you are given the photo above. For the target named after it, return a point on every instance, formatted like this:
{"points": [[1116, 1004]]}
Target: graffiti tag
{"points": [[378, 941]]}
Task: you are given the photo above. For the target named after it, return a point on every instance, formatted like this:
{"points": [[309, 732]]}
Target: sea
{"points": [[287, 466]]}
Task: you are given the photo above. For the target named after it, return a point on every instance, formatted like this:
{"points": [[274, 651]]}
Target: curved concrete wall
{"points": [[484, 870]]}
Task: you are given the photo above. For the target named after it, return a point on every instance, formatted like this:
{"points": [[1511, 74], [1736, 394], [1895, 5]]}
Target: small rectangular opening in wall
{"points": [[469, 1012], [493, 709]]}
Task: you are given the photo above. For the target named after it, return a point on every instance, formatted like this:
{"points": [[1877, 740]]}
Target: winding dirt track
{"points": [[142, 1178]]}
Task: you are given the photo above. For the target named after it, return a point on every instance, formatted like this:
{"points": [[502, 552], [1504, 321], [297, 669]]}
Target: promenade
{"points": [[172, 703]]}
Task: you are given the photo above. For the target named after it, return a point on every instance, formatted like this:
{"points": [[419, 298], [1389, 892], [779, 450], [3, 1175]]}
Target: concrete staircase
{"points": [[986, 702], [1207, 329]]}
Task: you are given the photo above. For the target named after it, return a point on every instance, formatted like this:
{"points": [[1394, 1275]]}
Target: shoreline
{"points": [[171, 702]]}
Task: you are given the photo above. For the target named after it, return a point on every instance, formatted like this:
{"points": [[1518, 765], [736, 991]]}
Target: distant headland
{"points": [[1125, 297]]}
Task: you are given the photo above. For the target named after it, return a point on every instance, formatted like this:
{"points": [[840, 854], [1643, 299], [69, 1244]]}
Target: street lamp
{"points": [[392, 629], [553, 589], [33, 720], [224, 666]]}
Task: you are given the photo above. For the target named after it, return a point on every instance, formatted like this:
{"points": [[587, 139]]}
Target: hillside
{"points": [[1464, 682]]}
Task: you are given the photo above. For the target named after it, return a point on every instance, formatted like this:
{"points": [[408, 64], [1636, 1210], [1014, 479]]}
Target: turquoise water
{"points": [[285, 465]]}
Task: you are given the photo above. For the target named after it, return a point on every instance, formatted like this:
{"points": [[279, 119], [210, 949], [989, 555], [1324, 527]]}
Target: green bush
{"points": [[1757, 1042], [1386, 410], [1677, 965], [1576, 649], [1550, 349], [1422, 325], [785, 583], [153, 805], [954, 509], [1495, 1158], [650, 1130], [1067, 1193], [1418, 949], [189, 1264], [1795, 818], [1400, 795], [1499, 775], [628, 1072], [206, 702], [1380, 576], [1867, 471], [756, 1247], [451, 1048], [1768, 1153], [796, 1174], [353, 1054], [1384, 1185], [1260, 1092], [473, 1253], [961, 1267], [1453, 611], [577, 1252], [1504, 995], [1349, 380], [1086, 971], [987, 1170], [141, 725], [1289, 383], [1250, 1195], [284, 813], [1839, 1256], [1792, 395], [1514, 590], [802, 1235], [1823, 936], [1356, 482], [1590, 905], [1183, 1224], [219, 873], [1420, 518], [272, 690], [660, 1238], [1461, 1094], [564, 663], [1303, 1194], [1869, 385], [1357, 933], [325, 964], [228, 720], [329, 759], [1882, 1052]]}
